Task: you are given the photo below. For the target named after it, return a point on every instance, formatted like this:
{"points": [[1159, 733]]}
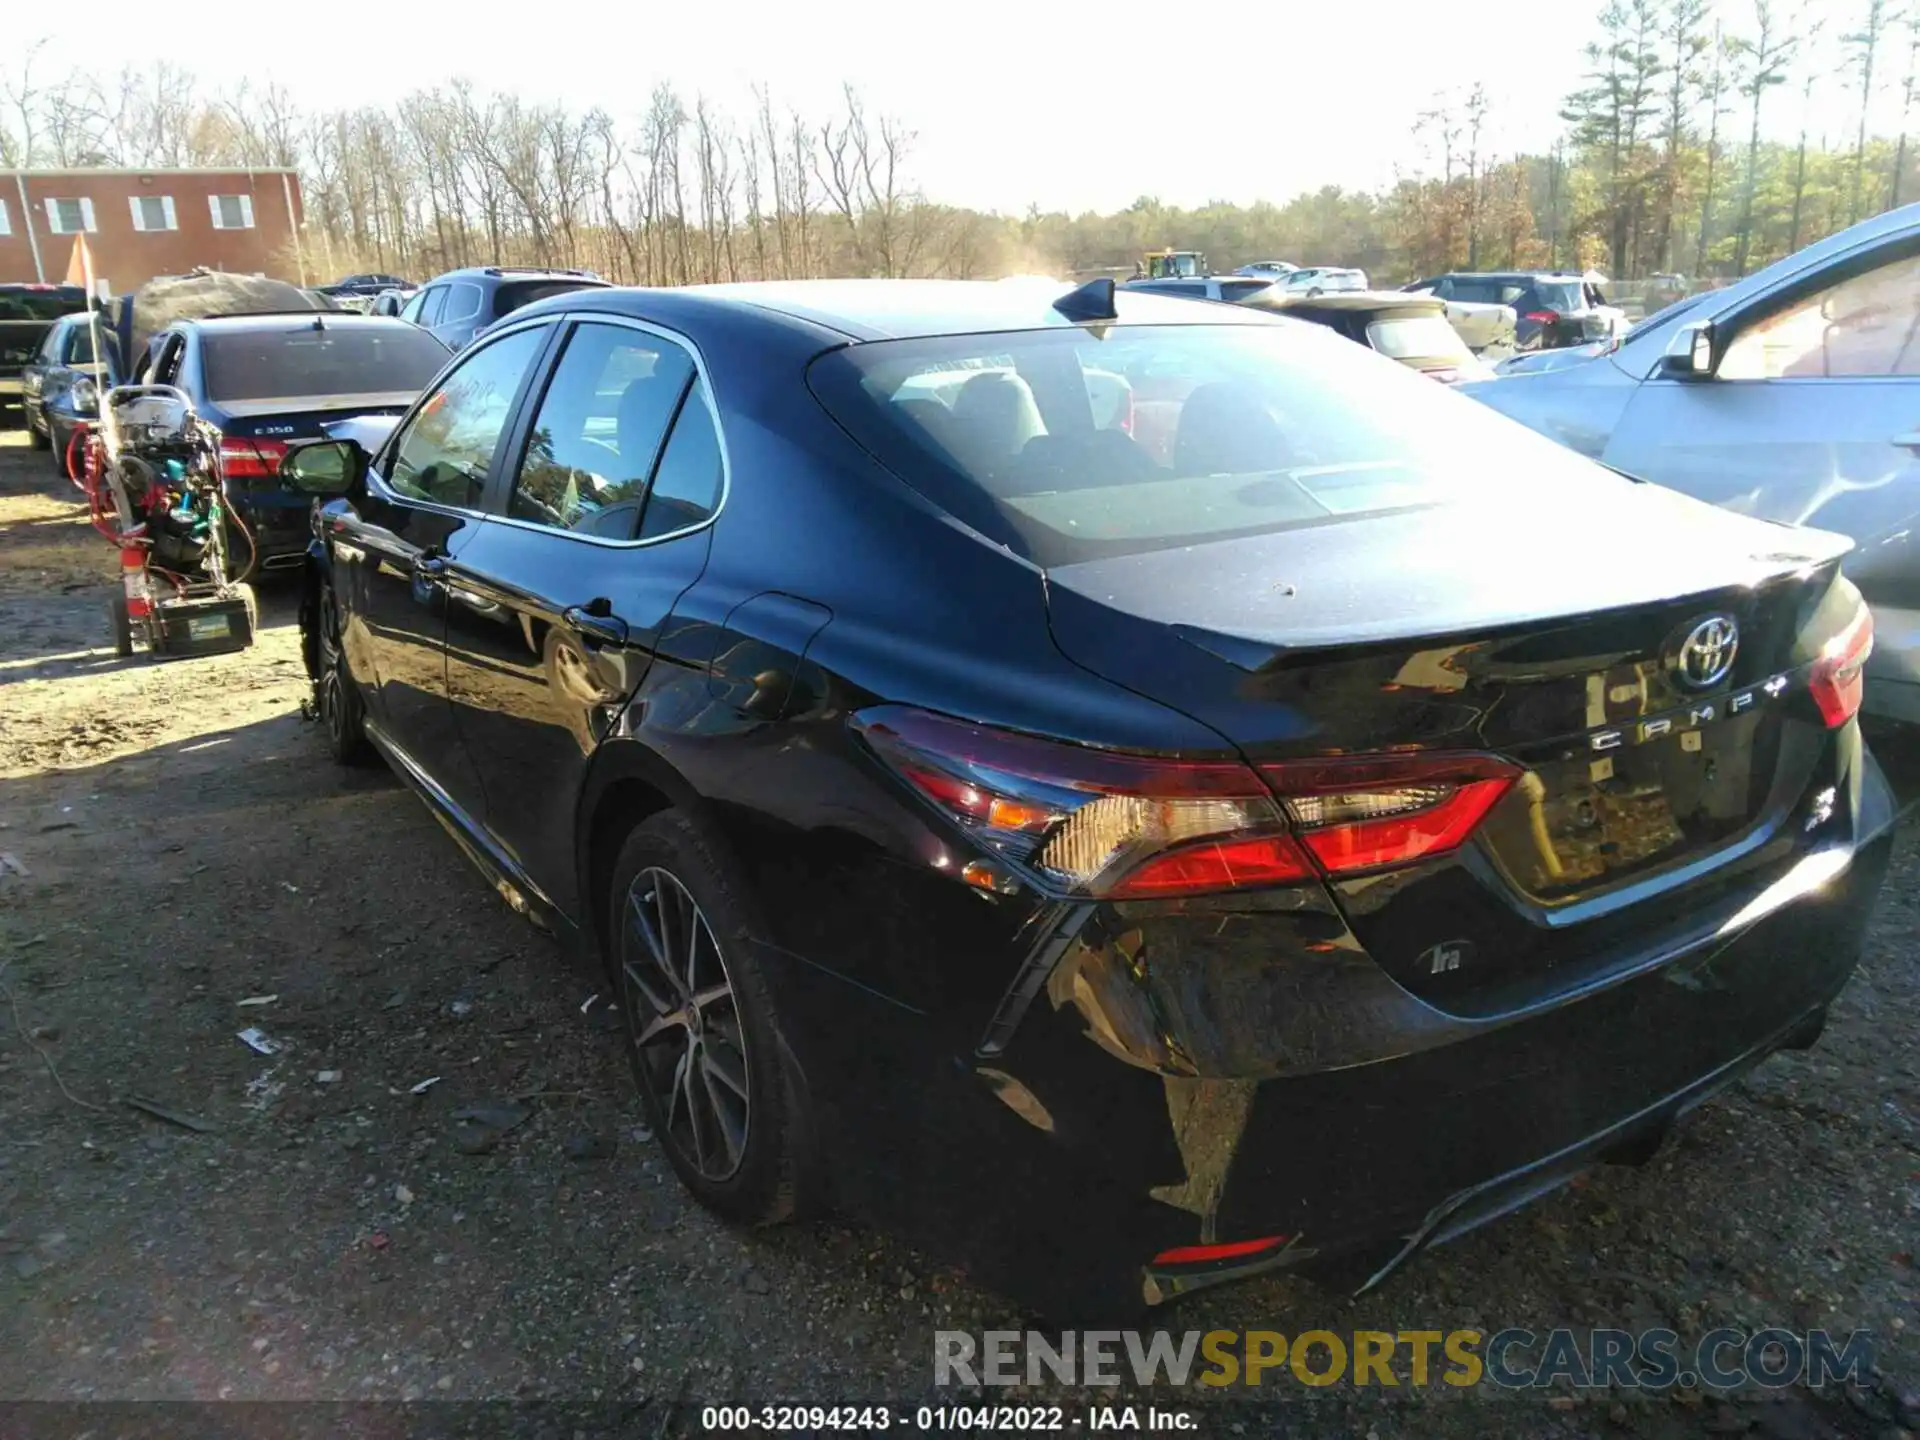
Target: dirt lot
{"points": [[195, 867]]}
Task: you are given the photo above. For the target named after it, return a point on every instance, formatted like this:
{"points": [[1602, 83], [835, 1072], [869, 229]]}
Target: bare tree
{"points": [[1864, 47], [1767, 55]]}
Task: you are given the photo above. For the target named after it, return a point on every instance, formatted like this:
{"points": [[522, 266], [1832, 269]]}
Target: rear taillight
{"points": [[1544, 317], [242, 459], [1095, 822], [1840, 672]]}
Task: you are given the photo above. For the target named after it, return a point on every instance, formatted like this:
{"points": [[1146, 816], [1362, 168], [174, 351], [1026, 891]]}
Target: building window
{"points": [[231, 212], [70, 217], [6, 225], [152, 212]]}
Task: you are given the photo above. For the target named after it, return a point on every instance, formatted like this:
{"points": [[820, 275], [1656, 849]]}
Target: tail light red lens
{"points": [[1840, 672], [1370, 813], [1122, 826], [251, 459], [1542, 317]]}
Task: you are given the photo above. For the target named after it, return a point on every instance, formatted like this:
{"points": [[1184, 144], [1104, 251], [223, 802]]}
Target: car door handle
{"points": [[602, 628]]}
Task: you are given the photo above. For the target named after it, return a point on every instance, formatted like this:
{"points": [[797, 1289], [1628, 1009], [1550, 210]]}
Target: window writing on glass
{"points": [[445, 452], [598, 430], [1867, 325]]}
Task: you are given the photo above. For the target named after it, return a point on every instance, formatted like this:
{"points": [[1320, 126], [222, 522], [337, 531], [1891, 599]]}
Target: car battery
{"points": [[202, 624]]}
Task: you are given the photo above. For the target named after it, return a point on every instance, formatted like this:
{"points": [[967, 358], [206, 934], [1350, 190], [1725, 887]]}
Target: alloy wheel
{"points": [[685, 1022], [333, 680]]}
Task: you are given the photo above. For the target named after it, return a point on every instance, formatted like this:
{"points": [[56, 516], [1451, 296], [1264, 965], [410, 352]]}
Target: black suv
{"points": [[369, 284], [1551, 308], [27, 312], [460, 304]]}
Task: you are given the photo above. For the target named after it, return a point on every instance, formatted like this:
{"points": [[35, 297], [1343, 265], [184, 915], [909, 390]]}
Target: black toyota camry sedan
{"points": [[1127, 793]]}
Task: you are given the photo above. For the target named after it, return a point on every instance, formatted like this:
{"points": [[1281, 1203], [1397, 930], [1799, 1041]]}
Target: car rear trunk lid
{"points": [[1455, 631]]}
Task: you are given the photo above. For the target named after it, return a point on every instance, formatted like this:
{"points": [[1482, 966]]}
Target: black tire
{"points": [[58, 445], [121, 625], [336, 700], [767, 1181]]}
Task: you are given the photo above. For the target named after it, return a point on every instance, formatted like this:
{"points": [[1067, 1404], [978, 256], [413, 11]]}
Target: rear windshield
{"points": [[40, 303], [1417, 337], [1565, 296], [511, 297], [1486, 289], [358, 360], [1079, 444]]}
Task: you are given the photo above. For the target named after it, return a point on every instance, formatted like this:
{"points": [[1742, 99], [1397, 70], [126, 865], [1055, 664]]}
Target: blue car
{"points": [[1792, 395], [60, 386]]}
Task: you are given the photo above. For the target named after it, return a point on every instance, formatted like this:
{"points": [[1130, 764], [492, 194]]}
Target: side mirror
{"points": [[325, 467], [1690, 353]]}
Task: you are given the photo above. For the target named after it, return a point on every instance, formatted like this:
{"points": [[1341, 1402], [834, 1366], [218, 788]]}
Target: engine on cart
{"points": [[153, 475], [167, 473]]}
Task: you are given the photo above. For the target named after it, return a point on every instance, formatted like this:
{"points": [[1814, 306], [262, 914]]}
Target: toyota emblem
{"points": [[1706, 655]]}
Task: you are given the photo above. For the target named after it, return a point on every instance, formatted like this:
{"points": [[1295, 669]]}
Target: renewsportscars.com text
{"points": [[1511, 1359]]}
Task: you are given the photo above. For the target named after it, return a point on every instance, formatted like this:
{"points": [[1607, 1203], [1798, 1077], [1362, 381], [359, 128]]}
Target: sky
{"points": [[1063, 104]]}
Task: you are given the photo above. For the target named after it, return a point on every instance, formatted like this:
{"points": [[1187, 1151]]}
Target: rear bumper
{"points": [[1058, 1167], [280, 527]]}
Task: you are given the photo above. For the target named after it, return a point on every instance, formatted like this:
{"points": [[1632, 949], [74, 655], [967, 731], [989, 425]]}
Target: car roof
{"points": [[285, 319], [890, 309], [1514, 275], [514, 272]]}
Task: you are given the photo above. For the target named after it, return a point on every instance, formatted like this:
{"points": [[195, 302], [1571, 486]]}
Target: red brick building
{"points": [[142, 223]]}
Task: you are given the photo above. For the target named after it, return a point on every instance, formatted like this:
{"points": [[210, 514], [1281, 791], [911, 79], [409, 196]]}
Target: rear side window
{"points": [[308, 360], [1218, 430], [686, 487], [599, 431], [462, 303], [1240, 289]]}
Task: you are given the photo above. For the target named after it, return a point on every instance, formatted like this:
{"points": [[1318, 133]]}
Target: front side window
{"points": [[231, 212], [70, 217], [446, 449], [1867, 325], [598, 432], [1217, 431]]}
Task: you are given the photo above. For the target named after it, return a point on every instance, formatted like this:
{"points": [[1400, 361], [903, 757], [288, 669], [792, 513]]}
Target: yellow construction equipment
{"points": [[1173, 264]]}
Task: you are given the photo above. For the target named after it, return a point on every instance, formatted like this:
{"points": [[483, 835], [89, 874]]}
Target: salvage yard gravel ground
{"points": [[431, 1182]]}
